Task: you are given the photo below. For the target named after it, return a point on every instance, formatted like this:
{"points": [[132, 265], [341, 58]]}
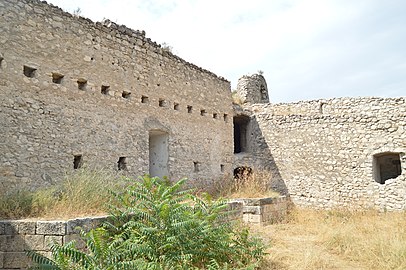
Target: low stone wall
{"points": [[19, 236], [264, 210]]}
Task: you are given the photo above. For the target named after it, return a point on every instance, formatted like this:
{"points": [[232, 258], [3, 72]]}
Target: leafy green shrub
{"points": [[157, 225]]}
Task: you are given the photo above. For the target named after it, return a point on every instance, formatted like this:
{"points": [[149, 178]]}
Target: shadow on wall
{"points": [[251, 150]]}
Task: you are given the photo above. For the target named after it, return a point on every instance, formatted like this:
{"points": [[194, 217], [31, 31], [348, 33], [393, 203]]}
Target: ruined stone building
{"points": [[75, 92]]}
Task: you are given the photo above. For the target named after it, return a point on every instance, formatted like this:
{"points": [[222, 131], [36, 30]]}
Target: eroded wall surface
{"points": [[324, 151], [129, 86]]}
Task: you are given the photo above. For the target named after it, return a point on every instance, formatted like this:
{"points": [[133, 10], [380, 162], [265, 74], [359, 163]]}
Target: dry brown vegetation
{"points": [[247, 185], [337, 239], [82, 193]]}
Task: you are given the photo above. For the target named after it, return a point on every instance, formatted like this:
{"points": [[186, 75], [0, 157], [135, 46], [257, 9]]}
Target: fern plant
{"points": [[158, 225]]}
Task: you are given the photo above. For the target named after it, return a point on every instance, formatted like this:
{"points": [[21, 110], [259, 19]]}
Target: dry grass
{"points": [[82, 193], [337, 240], [254, 185]]}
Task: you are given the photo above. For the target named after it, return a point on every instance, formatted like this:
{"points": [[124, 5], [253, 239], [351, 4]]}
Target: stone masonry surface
{"points": [[73, 91], [76, 92], [322, 153], [91, 93]]}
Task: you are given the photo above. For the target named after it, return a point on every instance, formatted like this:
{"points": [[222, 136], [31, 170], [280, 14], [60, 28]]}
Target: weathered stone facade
{"points": [[253, 89], [344, 152], [75, 92]]}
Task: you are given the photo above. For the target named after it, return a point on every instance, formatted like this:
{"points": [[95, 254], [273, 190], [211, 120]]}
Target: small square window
{"points": [[215, 115], [105, 89], [176, 106], [29, 72], [162, 103], [122, 164], [203, 112], [189, 109], [82, 83], [77, 161], [196, 166], [126, 94], [57, 77], [144, 99]]}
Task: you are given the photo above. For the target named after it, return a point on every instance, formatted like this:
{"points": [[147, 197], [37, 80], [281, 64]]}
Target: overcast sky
{"points": [[307, 49]]}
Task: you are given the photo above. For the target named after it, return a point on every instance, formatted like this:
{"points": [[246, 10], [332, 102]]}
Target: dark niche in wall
{"points": [[386, 166], [29, 72], [77, 161], [122, 164], [57, 77], [240, 133]]}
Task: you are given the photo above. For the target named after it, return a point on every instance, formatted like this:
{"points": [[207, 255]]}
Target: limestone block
{"points": [[50, 239], [250, 218], [34, 242], [79, 243], [26, 227], [1, 259], [51, 227], [16, 260], [76, 225], [11, 243], [10, 227], [255, 210]]}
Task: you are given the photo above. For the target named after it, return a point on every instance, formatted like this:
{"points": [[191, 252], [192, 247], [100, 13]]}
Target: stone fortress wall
{"points": [[76, 92], [342, 152]]}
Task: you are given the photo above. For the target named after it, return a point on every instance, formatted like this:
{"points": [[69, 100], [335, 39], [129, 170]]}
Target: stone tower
{"points": [[253, 89]]}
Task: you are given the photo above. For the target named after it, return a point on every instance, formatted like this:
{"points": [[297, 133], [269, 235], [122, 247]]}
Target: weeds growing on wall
{"points": [[85, 188], [159, 225]]}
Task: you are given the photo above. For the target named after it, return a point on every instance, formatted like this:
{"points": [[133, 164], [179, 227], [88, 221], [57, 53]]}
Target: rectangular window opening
{"points": [[77, 161], [122, 164], [176, 106], [189, 109], [144, 99], [386, 166], [225, 117], [57, 77], [82, 83], [203, 112], [29, 72], [1, 61], [105, 89], [126, 94], [196, 166], [215, 115], [222, 167]]}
